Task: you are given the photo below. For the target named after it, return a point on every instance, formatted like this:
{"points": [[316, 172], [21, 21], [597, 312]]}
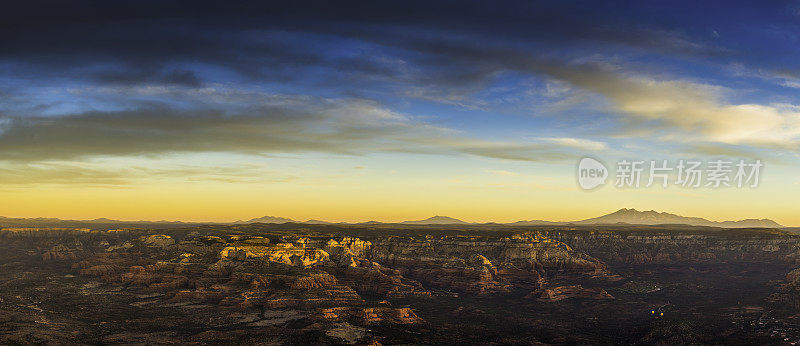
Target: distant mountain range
{"points": [[635, 217], [101, 222], [276, 219], [622, 216]]}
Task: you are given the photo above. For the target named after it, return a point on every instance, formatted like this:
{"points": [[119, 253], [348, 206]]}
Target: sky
{"points": [[365, 110]]}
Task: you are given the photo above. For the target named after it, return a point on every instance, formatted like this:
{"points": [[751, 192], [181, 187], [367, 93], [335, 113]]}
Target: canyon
{"points": [[390, 284]]}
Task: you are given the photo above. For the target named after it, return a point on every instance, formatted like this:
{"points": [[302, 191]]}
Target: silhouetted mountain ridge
{"points": [[267, 219], [436, 220], [652, 217], [622, 216]]}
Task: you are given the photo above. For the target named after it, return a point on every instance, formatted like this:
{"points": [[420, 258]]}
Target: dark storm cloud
{"points": [[143, 41], [148, 76], [155, 24]]}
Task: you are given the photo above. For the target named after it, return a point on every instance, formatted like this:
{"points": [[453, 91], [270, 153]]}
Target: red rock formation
{"points": [[314, 281], [566, 292], [380, 281], [60, 253], [369, 316], [102, 270]]}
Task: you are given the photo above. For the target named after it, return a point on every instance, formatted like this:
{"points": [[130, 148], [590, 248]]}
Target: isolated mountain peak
{"points": [[268, 219], [652, 217], [436, 220]]}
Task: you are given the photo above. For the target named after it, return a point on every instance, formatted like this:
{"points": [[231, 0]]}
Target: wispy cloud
{"points": [[687, 111], [239, 121], [577, 143], [98, 174]]}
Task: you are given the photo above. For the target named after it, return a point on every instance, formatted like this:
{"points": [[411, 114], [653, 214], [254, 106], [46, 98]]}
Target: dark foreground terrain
{"points": [[392, 284]]}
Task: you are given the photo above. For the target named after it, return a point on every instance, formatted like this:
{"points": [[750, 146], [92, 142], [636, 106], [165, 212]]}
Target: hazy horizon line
{"points": [[304, 220]]}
